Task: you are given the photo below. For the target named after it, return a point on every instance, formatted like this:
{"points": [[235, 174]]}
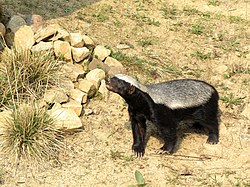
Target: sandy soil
{"points": [[101, 155]]}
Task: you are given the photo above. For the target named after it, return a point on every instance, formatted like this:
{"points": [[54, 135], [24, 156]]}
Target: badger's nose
{"points": [[107, 80]]}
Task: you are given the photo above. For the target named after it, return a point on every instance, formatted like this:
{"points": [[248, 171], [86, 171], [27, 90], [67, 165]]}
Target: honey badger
{"points": [[166, 105]]}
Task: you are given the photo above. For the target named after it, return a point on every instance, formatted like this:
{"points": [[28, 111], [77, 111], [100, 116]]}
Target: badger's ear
{"points": [[131, 89]]}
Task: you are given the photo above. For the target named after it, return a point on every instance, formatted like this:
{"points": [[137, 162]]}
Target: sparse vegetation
{"points": [[214, 2], [144, 42], [197, 29], [230, 100], [237, 69], [202, 55], [170, 12]]}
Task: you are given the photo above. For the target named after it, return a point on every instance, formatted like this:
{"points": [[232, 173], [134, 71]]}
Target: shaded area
{"points": [[48, 9]]}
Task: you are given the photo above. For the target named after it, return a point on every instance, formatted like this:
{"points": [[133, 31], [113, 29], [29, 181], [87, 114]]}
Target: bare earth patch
{"points": [[208, 40]]}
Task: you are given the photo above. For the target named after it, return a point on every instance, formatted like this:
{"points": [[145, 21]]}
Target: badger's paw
{"points": [[166, 149], [138, 150], [212, 139]]}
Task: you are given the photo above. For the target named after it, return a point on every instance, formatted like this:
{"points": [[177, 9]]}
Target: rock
{"points": [[55, 95], [15, 23], [122, 46], [79, 66], [65, 118], [67, 85], [73, 105], [88, 42], [76, 40], [62, 49], [42, 46], [87, 87], [88, 112], [116, 70], [103, 89], [2, 29], [246, 111], [61, 34], [35, 21], [101, 52], [9, 38], [24, 38], [221, 69], [95, 76], [78, 96], [80, 54], [46, 32], [56, 106], [112, 62], [96, 63], [73, 72]]}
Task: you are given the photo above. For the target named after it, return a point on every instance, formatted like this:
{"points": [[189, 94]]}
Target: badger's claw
{"points": [[166, 149], [138, 150]]}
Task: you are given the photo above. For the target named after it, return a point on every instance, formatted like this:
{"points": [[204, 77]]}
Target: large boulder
{"points": [[55, 95], [65, 119], [46, 32], [24, 38], [73, 72], [101, 52], [76, 40], [42, 46], [79, 96], [80, 54], [95, 76], [63, 49], [87, 87], [15, 23]]}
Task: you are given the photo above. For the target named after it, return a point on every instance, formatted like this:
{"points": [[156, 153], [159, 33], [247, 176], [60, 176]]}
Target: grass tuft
{"points": [[26, 75], [231, 100], [30, 135]]}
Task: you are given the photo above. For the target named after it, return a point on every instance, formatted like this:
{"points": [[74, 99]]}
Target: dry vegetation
{"points": [[204, 39]]}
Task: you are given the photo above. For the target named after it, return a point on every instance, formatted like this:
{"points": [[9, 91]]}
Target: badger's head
{"points": [[119, 86], [124, 85]]}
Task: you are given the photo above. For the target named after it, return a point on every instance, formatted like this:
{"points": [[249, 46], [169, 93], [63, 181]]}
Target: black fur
{"points": [[141, 107]]}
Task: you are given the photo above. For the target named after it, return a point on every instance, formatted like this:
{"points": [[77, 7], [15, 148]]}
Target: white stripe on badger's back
{"points": [[132, 81], [183, 93]]}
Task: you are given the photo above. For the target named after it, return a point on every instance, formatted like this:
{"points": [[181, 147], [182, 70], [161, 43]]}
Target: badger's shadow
{"points": [[183, 130]]}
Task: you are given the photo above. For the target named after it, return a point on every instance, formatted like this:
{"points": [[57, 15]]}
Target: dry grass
{"points": [[30, 135], [26, 75]]}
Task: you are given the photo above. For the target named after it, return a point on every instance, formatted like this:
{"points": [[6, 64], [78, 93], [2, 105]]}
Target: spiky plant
{"points": [[30, 134], [26, 75]]}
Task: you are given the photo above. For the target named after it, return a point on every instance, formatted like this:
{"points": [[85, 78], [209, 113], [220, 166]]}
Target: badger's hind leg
{"points": [[207, 118], [213, 132]]}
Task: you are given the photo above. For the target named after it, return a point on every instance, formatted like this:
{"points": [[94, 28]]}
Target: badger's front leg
{"points": [[139, 131]]}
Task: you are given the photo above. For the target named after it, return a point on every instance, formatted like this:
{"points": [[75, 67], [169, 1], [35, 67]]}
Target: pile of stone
{"points": [[85, 65]]}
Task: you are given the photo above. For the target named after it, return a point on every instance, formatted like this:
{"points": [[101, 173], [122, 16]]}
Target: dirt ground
{"points": [[204, 39]]}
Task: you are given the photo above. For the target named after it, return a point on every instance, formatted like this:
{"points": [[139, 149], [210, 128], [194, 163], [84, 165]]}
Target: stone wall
{"points": [[85, 64]]}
